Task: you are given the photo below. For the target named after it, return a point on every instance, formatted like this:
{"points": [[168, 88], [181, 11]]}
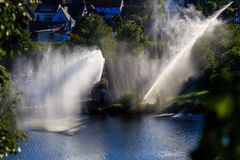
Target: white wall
{"points": [[52, 37]]}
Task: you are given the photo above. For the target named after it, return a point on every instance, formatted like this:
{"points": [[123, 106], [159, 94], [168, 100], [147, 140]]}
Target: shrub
{"points": [[116, 109], [131, 101]]}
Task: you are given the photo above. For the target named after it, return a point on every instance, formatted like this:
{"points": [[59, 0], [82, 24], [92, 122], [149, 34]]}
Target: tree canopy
{"points": [[221, 136], [93, 30], [12, 30], [13, 27]]}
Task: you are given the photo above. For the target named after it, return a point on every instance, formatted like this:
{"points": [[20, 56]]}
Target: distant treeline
{"points": [[209, 6]]}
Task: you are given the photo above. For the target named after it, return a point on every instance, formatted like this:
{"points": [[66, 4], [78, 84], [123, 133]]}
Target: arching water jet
{"points": [[54, 86], [177, 69]]}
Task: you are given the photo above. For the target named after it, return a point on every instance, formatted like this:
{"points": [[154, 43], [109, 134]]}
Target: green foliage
{"points": [[120, 106], [131, 101], [4, 77], [190, 95], [136, 10], [218, 50], [116, 109], [93, 30], [190, 102], [13, 28], [230, 58], [130, 32], [157, 47], [9, 135], [131, 38], [14, 39], [210, 6], [95, 110], [221, 135]]}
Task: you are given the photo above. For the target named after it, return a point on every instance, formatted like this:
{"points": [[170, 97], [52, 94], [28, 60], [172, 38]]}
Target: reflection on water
{"points": [[117, 139]]}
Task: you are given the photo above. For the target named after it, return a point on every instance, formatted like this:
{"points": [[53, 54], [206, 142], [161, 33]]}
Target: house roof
{"points": [[75, 10], [54, 8], [47, 8], [102, 3], [67, 15], [107, 4]]}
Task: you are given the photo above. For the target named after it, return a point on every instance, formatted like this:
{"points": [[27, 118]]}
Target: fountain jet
{"points": [[54, 86], [179, 69]]}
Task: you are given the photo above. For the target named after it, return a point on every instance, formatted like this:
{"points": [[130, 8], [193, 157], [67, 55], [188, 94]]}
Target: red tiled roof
{"points": [[47, 8], [75, 9], [102, 3]]}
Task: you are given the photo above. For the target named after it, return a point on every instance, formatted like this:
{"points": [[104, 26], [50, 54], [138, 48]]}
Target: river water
{"points": [[117, 138]]}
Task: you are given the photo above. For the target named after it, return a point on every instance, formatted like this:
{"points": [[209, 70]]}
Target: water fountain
{"points": [[54, 87], [129, 73], [180, 68]]}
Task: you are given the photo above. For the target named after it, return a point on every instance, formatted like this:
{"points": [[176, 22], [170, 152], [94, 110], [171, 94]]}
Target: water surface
{"points": [[114, 138]]}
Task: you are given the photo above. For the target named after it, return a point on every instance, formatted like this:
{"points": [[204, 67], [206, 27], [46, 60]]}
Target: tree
{"points": [[13, 27], [131, 38], [9, 134], [12, 30], [211, 5], [93, 30], [221, 133], [131, 32]]}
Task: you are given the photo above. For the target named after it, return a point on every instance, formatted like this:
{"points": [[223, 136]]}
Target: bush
{"points": [[116, 109], [131, 101], [95, 110]]}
